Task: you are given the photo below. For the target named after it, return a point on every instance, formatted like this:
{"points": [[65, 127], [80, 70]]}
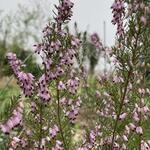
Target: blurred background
{"points": [[90, 15], [22, 21]]}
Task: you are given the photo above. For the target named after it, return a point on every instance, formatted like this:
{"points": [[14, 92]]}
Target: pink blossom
{"points": [[96, 41], [144, 145], [118, 10], [64, 11], [123, 147], [125, 138], [72, 85], [43, 90], [26, 83], [98, 94], [53, 131], [136, 116], [144, 20], [139, 130], [61, 85], [122, 116], [14, 63], [72, 114], [58, 145], [132, 126], [14, 120]]}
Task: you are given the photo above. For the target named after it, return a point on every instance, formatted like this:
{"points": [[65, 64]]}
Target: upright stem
{"points": [[140, 116], [126, 86], [41, 125], [120, 108], [59, 119]]}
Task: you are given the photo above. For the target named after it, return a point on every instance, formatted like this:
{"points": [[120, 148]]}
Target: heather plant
{"points": [[115, 112], [45, 118], [121, 99]]}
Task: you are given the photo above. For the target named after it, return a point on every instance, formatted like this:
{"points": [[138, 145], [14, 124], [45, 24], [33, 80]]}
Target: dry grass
{"points": [[4, 80]]}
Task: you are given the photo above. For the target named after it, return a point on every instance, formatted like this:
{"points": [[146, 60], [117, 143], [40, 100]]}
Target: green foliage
{"points": [[8, 100]]}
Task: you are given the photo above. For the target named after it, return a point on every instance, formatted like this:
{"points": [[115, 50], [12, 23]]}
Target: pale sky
{"points": [[89, 14]]}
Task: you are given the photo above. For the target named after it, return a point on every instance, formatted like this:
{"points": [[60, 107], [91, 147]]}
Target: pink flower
{"points": [[139, 130], [122, 116], [61, 85], [14, 120], [132, 126], [43, 90], [141, 91], [145, 109], [64, 11], [75, 42], [98, 94], [82, 148], [127, 130], [116, 145], [58, 145], [144, 146], [47, 63], [123, 147], [118, 10], [63, 101], [96, 41], [43, 144], [72, 114], [78, 102], [26, 83], [14, 143], [72, 85], [59, 72], [136, 116], [143, 20], [53, 131], [125, 138], [5, 128], [14, 63], [117, 79]]}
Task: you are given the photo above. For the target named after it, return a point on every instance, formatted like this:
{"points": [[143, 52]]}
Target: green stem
{"points": [[59, 118], [140, 116], [41, 125], [120, 108]]}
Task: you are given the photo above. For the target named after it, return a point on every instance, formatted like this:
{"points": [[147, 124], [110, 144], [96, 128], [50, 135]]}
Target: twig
{"points": [[59, 119]]}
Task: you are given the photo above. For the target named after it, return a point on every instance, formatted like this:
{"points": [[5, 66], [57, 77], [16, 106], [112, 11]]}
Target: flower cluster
{"points": [[64, 11], [71, 108], [53, 131], [58, 145], [90, 143], [25, 79], [96, 41], [16, 142], [118, 10], [72, 85], [108, 110], [58, 49], [43, 90], [145, 145], [26, 83], [14, 120], [15, 63]]}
